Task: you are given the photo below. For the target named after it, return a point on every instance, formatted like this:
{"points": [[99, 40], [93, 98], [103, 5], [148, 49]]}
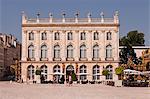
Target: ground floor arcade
{"points": [[54, 71]]}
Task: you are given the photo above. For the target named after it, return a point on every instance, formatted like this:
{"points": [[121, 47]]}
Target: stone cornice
{"points": [[70, 25]]}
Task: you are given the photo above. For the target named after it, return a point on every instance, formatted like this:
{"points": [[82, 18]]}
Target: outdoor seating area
{"points": [[128, 83], [133, 78]]}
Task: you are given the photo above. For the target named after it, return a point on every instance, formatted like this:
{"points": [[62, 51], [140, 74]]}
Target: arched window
{"points": [[96, 36], [109, 36], [70, 51], [44, 71], [82, 51], [31, 36], [44, 51], [57, 36], [108, 51], [56, 71], [31, 51], [70, 36], [57, 51], [95, 51], [110, 69], [44, 36], [83, 36], [83, 71], [30, 72], [96, 72]]}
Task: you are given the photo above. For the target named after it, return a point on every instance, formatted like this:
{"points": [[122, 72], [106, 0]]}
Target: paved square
{"points": [[88, 91]]}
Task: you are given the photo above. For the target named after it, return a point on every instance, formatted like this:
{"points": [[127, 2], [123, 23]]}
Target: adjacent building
{"points": [[10, 49], [146, 60], [60, 46]]}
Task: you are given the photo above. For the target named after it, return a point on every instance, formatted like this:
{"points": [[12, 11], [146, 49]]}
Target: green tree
{"points": [[133, 38]]}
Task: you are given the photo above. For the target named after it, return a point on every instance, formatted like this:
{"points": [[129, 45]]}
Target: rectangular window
{"points": [[44, 36], [31, 36], [83, 36], [109, 36], [70, 36], [57, 36]]}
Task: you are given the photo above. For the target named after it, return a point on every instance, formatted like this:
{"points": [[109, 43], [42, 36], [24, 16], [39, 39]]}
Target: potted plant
{"points": [[105, 72], [119, 72], [38, 74], [74, 78]]}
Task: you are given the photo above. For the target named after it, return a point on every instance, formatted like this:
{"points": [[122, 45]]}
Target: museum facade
{"points": [[59, 46]]}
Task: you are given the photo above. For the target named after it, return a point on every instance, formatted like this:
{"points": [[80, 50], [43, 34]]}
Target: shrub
{"points": [[105, 72], [38, 72], [74, 78], [119, 70]]}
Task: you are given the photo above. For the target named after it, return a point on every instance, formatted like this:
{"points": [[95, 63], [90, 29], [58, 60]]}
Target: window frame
{"points": [[70, 36], [31, 35], [96, 35], [83, 51], [44, 36], [82, 36]]}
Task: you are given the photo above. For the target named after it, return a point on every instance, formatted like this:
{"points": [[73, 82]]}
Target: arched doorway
{"points": [[69, 70]]}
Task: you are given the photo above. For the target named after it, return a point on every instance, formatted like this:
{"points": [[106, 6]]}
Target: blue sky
{"points": [[134, 14]]}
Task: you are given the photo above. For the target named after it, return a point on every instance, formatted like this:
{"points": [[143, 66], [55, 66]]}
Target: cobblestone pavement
{"points": [[53, 91]]}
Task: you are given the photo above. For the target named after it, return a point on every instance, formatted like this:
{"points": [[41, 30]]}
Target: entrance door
{"points": [[69, 71]]}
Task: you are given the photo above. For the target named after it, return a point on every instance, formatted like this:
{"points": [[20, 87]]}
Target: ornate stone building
{"points": [[146, 60], [60, 46]]}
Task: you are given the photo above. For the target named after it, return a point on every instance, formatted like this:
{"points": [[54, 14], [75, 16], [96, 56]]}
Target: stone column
{"points": [[64, 45], [24, 72], [49, 44], [102, 77], [103, 46], [24, 45], [49, 72], [89, 45], [117, 33], [77, 46], [37, 42], [89, 71]]}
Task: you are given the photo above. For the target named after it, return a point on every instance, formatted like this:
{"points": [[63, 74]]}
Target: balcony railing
{"points": [[43, 59], [56, 59], [96, 59], [69, 59], [70, 20], [30, 59], [83, 59], [109, 58]]}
